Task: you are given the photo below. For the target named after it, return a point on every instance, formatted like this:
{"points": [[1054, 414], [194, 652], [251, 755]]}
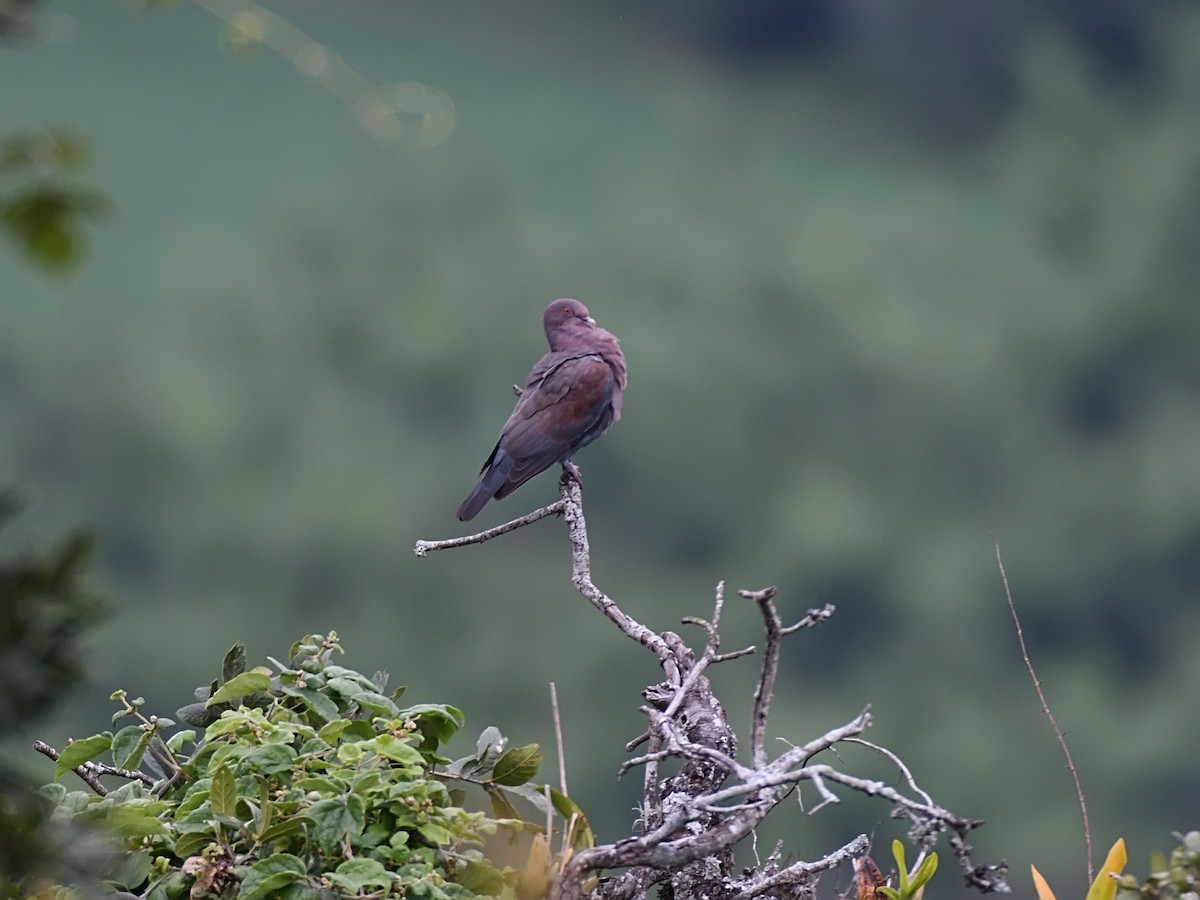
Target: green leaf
{"points": [[271, 874], [286, 828], [234, 663], [128, 746], [172, 886], [518, 765], [319, 703], [134, 821], [331, 732], [266, 809], [901, 868], [192, 843], [336, 819], [132, 870], [435, 834], [271, 759], [176, 741], [437, 722], [356, 875], [375, 703], [394, 748], [198, 715], [564, 805], [502, 807], [80, 752], [321, 785], [239, 686], [223, 794], [481, 878], [54, 792], [343, 687], [924, 872]]}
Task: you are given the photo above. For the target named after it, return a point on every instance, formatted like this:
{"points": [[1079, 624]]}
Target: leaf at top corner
{"points": [[80, 752], [234, 663], [240, 686], [518, 765]]}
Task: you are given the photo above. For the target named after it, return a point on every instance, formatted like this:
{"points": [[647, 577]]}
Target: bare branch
{"points": [[91, 771], [423, 547], [884, 751], [766, 680], [814, 618]]}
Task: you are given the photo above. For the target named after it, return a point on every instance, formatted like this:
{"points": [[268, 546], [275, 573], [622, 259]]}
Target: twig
{"points": [[562, 766], [558, 740], [91, 771], [711, 646], [766, 681], [554, 509], [1058, 732], [812, 619], [884, 751]]}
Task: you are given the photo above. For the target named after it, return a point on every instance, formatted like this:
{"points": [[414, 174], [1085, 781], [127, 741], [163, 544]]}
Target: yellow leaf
{"points": [[1043, 889], [1105, 885], [534, 880]]}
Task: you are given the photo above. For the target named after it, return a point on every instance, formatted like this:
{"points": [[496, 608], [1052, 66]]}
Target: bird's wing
{"points": [[567, 403]]}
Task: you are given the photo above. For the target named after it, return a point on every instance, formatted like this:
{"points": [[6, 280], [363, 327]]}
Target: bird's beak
{"points": [[590, 321]]}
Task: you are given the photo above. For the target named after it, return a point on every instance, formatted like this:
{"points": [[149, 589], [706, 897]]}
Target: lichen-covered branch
{"points": [[691, 820]]}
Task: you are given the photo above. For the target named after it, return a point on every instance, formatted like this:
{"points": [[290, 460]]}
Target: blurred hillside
{"points": [[887, 276]]}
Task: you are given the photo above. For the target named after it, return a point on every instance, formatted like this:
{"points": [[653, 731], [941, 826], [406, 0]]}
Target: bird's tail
{"points": [[495, 472]]}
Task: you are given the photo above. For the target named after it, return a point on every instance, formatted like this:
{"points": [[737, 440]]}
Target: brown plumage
{"points": [[572, 396]]}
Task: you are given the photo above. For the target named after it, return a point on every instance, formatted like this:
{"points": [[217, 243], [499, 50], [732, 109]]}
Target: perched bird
{"points": [[572, 396]]}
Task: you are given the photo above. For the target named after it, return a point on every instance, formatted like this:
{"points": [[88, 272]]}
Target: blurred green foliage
{"points": [[43, 204], [1171, 877], [887, 276], [45, 610]]}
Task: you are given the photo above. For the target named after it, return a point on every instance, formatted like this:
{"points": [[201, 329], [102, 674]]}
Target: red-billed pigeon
{"points": [[572, 396]]}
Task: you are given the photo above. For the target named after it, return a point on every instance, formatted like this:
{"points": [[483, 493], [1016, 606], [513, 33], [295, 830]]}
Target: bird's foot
{"points": [[570, 470]]}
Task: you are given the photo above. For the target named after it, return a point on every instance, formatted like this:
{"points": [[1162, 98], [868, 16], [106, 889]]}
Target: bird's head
{"points": [[565, 317]]}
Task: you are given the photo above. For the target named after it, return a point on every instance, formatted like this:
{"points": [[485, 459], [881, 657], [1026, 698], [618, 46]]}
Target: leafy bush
{"points": [[309, 781], [1176, 877]]}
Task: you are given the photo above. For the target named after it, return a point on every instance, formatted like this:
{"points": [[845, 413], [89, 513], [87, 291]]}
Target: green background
{"points": [[888, 276]]}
